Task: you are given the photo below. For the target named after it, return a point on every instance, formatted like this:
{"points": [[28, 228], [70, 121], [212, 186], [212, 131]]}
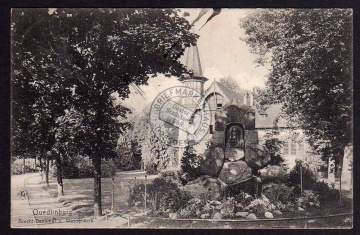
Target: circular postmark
{"points": [[180, 116]]}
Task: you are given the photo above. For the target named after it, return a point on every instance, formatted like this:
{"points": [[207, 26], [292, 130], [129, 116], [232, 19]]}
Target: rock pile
{"points": [[223, 165]]}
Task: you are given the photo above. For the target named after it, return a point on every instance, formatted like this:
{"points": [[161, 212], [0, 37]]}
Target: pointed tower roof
{"points": [[193, 63]]}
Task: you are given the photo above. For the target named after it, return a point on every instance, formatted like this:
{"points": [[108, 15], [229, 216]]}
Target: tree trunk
{"points": [[35, 164], [41, 168], [97, 186], [23, 168], [60, 187], [340, 172], [47, 170]]}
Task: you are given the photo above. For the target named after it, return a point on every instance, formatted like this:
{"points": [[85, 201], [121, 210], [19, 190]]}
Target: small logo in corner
{"points": [[22, 194]]}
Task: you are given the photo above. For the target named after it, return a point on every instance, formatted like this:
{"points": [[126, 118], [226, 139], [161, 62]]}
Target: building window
{"points": [[286, 147], [219, 106], [211, 129], [248, 99], [301, 149], [293, 147]]}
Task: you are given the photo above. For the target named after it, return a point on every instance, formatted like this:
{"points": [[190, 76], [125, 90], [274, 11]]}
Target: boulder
{"points": [[212, 161], [251, 217], [234, 154], [251, 137], [217, 215], [185, 214], [300, 209], [205, 186], [277, 212], [205, 216], [257, 156], [273, 173], [268, 215], [172, 215], [242, 214], [235, 172], [218, 139]]}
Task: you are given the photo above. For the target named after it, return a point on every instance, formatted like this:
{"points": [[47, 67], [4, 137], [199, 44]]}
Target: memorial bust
{"points": [[235, 137]]}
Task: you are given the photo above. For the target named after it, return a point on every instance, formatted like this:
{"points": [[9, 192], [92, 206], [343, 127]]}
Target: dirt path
{"points": [[35, 207], [21, 212]]}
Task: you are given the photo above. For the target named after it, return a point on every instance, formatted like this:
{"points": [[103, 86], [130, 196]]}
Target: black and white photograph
{"points": [[182, 118]]}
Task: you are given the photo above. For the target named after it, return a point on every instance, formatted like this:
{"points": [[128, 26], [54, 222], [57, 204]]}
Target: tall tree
{"points": [[231, 83], [155, 150], [39, 90], [310, 53], [101, 52]]}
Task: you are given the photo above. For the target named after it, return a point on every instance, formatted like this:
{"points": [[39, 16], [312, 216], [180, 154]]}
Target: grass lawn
{"points": [[79, 192]]}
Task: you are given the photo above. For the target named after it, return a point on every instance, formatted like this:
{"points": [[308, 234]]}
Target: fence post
{"points": [[128, 221], [145, 191], [112, 194], [301, 181]]}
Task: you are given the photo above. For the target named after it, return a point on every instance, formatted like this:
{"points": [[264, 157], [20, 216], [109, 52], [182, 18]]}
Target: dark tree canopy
{"points": [[310, 53], [77, 59]]}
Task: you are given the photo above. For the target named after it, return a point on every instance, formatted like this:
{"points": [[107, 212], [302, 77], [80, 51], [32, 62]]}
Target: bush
{"points": [[258, 206], [17, 167], [162, 195], [173, 175], [151, 168], [308, 178], [278, 193], [192, 209], [274, 146], [190, 165], [136, 195], [244, 198], [81, 167], [108, 168], [326, 194], [308, 199]]}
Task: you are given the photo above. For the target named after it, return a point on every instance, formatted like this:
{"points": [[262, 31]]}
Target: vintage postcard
{"points": [[208, 118]]}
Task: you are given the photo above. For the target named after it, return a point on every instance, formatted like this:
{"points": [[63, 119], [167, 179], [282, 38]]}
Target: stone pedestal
{"points": [[235, 172], [233, 154]]}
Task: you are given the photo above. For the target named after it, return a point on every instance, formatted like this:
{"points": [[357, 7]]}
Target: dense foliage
{"points": [[162, 196], [274, 146], [309, 182], [310, 54], [140, 140], [78, 167], [190, 165]]}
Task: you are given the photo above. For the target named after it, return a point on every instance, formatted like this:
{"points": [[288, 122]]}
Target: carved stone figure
{"points": [[235, 137]]}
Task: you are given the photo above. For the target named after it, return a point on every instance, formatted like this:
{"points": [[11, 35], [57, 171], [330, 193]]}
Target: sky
{"points": [[222, 54]]}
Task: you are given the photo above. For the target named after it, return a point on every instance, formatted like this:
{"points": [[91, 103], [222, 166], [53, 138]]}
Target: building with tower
{"points": [[217, 96]]}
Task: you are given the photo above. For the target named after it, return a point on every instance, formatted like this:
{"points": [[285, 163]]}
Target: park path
{"points": [[39, 209], [21, 212]]}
